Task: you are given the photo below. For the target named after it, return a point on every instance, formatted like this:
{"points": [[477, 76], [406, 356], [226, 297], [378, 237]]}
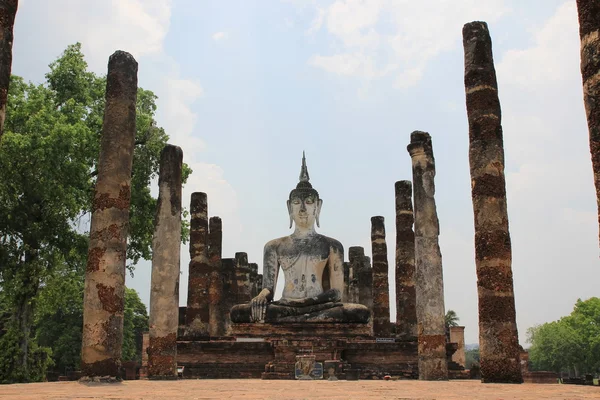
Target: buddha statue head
{"points": [[304, 204]]}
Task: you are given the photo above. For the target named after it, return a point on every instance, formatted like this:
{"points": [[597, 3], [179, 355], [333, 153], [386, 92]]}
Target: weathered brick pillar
{"points": [[197, 312], [457, 335], [346, 296], [8, 11], [498, 338], [164, 288], [259, 284], [364, 275], [429, 283], [589, 33], [406, 300], [215, 292], [242, 278], [353, 286], [381, 289], [104, 293], [253, 280], [229, 288], [366, 272]]}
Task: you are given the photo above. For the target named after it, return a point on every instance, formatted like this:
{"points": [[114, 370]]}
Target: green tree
{"points": [[472, 358], [556, 346], [570, 344], [48, 162], [451, 318]]}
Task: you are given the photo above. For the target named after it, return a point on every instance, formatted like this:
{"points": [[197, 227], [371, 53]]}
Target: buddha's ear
{"points": [[289, 206], [319, 204]]}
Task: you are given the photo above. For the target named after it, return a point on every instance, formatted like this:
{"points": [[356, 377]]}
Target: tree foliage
{"points": [[472, 358], [571, 344], [135, 323], [48, 159], [451, 318]]}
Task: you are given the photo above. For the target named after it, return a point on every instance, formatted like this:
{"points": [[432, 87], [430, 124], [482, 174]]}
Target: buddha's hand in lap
{"points": [[258, 306]]}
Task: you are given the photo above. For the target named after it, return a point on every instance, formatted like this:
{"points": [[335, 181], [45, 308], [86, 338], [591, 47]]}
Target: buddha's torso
{"points": [[303, 261]]}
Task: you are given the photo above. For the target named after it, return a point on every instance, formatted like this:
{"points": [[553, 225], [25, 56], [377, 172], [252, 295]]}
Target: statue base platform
{"points": [[258, 330], [274, 356], [269, 351]]}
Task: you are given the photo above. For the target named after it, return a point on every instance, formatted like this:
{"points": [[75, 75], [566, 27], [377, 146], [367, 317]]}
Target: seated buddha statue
{"points": [[303, 257]]}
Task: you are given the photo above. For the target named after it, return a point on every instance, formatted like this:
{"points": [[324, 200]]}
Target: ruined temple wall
{"points": [[243, 283], [361, 269]]}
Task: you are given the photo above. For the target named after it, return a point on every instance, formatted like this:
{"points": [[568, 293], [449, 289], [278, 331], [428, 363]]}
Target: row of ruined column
{"points": [[368, 285], [215, 284]]}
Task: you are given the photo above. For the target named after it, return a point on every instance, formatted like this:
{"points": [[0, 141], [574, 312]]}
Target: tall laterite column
{"points": [[429, 281], [498, 338], [104, 293], [164, 288]]}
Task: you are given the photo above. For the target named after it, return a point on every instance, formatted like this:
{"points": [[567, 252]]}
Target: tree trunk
{"points": [[8, 11], [24, 309]]}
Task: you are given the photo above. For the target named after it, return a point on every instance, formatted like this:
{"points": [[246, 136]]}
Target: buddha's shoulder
{"points": [[275, 243], [333, 243]]}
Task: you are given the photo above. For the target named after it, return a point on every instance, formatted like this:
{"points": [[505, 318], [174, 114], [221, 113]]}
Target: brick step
{"points": [[277, 375]]}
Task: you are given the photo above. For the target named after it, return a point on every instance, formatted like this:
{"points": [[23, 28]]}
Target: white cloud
{"points": [[317, 21], [178, 117], [136, 26], [376, 38], [219, 36]]}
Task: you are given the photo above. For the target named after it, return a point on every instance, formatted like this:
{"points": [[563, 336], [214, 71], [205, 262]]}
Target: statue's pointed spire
{"points": [[304, 171]]}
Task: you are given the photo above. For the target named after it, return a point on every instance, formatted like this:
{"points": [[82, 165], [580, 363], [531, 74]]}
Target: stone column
{"points": [[346, 296], [8, 11], [498, 339], [197, 312], [215, 292], [363, 274], [353, 286], [589, 34], [229, 289], [104, 293], [242, 278], [164, 289], [381, 289], [253, 280], [406, 301], [457, 335], [259, 284], [429, 283]]}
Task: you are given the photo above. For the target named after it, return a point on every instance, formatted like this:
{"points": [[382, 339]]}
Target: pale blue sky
{"points": [[245, 86]]}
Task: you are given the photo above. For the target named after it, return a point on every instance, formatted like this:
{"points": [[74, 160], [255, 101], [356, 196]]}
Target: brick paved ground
{"points": [[283, 390]]}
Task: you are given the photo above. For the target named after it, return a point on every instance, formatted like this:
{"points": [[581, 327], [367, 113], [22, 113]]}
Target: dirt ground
{"points": [[250, 389]]}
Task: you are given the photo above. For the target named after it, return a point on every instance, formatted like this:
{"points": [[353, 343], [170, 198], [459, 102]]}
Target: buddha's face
{"points": [[304, 210]]}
